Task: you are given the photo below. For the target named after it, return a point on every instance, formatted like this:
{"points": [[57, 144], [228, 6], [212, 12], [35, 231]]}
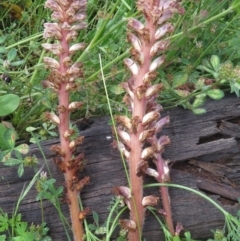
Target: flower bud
{"points": [[162, 142], [147, 134], [147, 152], [124, 151], [150, 117], [150, 201], [75, 105], [156, 63], [122, 191], [76, 47], [140, 91], [135, 25], [166, 28], [163, 121], [135, 41], [141, 168], [52, 117], [53, 48], [52, 30], [51, 63], [152, 172], [153, 90], [124, 121], [68, 133], [130, 225], [158, 47], [149, 77], [125, 85], [78, 26], [133, 67], [125, 137]]}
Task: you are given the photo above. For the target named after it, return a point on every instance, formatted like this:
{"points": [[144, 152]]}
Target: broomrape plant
{"points": [[138, 134], [69, 16]]}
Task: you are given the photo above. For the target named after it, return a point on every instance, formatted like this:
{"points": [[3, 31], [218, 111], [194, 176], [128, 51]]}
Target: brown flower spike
{"points": [[139, 141], [69, 16]]}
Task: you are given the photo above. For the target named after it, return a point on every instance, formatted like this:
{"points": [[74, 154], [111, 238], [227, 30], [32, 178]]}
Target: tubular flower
{"points": [[140, 139]]}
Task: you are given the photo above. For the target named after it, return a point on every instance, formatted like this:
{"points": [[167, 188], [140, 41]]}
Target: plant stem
{"points": [[165, 196]]}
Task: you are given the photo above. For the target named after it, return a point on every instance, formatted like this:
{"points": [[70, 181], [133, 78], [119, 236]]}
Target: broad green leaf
{"points": [[201, 67], [20, 170], [18, 63], [12, 53], [182, 93], [206, 63], [10, 136], [8, 104], [215, 61], [95, 218], [179, 79], [3, 237], [3, 38], [31, 129], [198, 102], [53, 133], [18, 155], [23, 149], [199, 111], [117, 89], [5, 155], [215, 94], [12, 162], [2, 50], [4, 144]]}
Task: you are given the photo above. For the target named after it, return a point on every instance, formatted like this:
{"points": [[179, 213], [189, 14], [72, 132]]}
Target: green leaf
{"points": [[12, 162], [198, 102], [5, 155], [8, 104], [179, 79], [199, 111], [117, 89], [236, 5], [31, 129], [12, 53], [215, 61], [3, 237], [2, 50], [235, 87], [3, 222], [20, 170], [206, 63], [23, 149], [215, 94], [203, 68], [95, 218], [3, 144], [18, 63], [3, 38], [10, 136]]}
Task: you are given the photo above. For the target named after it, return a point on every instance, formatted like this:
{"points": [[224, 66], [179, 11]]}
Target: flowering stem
{"points": [[63, 73], [139, 140]]}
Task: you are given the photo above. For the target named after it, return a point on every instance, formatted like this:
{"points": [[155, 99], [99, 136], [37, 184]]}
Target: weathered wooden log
{"points": [[211, 138]]}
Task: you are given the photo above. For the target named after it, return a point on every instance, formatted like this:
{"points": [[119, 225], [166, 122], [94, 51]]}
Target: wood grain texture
{"points": [[207, 138]]}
